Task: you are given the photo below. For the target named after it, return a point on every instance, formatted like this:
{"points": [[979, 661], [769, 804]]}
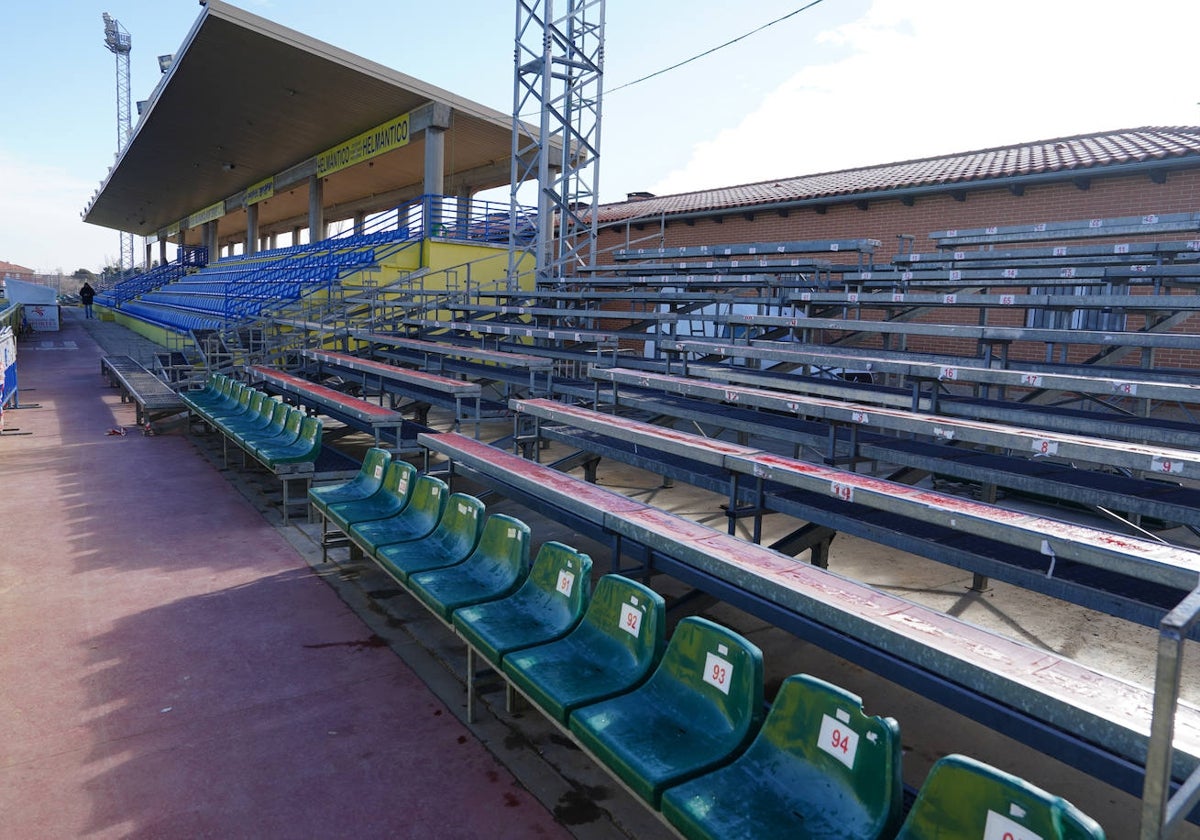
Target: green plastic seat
{"points": [[290, 421], [452, 541], [228, 424], [306, 447], [418, 518], [545, 607], [215, 390], [393, 495], [276, 427], [699, 709], [963, 797], [819, 769], [365, 482], [235, 408], [293, 418], [256, 417], [495, 569], [613, 649]]}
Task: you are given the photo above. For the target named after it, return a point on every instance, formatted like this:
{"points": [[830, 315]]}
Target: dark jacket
{"points": [[87, 293]]}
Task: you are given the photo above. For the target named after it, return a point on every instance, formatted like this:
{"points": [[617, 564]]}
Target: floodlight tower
{"points": [[560, 74], [119, 43]]}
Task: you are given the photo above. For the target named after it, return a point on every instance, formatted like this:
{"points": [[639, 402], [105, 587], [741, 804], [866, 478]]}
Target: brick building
{"points": [[1129, 172]]}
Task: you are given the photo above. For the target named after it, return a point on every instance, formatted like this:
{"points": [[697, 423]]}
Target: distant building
{"points": [[17, 272]]}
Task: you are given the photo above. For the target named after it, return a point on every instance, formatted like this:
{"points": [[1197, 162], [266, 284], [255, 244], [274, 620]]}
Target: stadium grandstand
{"points": [[861, 504]]}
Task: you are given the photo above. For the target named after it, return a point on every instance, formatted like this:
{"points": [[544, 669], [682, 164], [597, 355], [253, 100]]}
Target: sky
{"points": [[845, 83]]}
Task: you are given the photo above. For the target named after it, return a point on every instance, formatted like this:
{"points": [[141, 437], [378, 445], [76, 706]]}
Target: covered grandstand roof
{"points": [[1085, 154], [247, 99]]}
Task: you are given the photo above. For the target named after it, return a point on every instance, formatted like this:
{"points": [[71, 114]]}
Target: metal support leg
{"points": [[470, 684]]}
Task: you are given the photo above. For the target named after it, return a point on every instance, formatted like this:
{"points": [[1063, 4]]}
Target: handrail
{"points": [[1162, 813]]}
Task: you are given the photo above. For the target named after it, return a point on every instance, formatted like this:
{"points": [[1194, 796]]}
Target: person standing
{"points": [[86, 295]]}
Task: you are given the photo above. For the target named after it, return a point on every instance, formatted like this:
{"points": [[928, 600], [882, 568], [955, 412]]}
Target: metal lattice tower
{"points": [[119, 42], [559, 73]]}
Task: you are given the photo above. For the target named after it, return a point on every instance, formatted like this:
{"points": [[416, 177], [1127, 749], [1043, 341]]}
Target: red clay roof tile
{"points": [[1086, 151]]}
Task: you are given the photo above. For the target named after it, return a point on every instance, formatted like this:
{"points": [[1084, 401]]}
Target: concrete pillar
{"points": [[296, 235], [162, 251], [435, 179], [360, 219], [316, 210], [252, 229], [149, 253]]}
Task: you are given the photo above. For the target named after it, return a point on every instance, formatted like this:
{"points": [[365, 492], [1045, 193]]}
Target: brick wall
{"points": [[887, 220]]}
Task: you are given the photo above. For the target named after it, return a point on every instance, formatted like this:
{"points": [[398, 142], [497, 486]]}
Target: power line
{"points": [[714, 49]]}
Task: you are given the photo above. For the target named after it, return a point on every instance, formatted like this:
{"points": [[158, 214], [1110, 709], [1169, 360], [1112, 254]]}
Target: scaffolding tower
{"points": [[559, 74], [119, 42]]}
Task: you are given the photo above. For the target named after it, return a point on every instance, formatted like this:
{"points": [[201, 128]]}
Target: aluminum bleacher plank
{"points": [[1087, 706], [1134, 456]]}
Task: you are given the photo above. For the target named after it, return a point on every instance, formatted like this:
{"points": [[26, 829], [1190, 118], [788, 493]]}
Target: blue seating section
{"points": [[680, 723], [240, 287]]}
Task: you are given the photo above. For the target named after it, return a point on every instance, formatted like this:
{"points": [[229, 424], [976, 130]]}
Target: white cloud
{"points": [[924, 77]]}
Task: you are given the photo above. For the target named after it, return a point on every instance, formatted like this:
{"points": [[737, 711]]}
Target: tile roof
{"points": [[1062, 154]]}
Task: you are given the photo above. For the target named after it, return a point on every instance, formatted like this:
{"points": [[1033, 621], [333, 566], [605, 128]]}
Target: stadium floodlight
{"points": [[165, 62]]}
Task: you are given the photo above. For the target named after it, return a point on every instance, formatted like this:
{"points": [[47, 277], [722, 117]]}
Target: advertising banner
{"points": [[8, 364]]}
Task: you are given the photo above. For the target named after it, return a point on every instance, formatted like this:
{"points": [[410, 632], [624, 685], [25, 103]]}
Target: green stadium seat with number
{"points": [[699, 709], [613, 648], [963, 797], [420, 516], [495, 569], [819, 769], [365, 482], [452, 541], [393, 495], [545, 607]]}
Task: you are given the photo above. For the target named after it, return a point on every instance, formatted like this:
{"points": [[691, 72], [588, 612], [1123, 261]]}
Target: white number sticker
{"points": [[949, 300], [1166, 465], [566, 582], [839, 740], [1033, 380], [845, 492], [1045, 447], [1008, 300], [948, 373], [860, 417], [631, 620], [1000, 827], [717, 671], [378, 471]]}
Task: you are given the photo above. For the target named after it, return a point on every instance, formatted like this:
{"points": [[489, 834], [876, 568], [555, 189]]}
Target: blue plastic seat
{"points": [[613, 648], [963, 797], [419, 517], [495, 569], [545, 607], [819, 769], [365, 482], [699, 709], [452, 541]]}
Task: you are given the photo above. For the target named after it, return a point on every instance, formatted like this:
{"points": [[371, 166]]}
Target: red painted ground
{"points": [[170, 667]]}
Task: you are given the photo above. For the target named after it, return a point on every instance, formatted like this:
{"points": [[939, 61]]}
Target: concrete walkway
{"points": [[171, 667]]}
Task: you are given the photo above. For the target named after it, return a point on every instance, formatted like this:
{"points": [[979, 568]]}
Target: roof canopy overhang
{"points": [[247, 100]]}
